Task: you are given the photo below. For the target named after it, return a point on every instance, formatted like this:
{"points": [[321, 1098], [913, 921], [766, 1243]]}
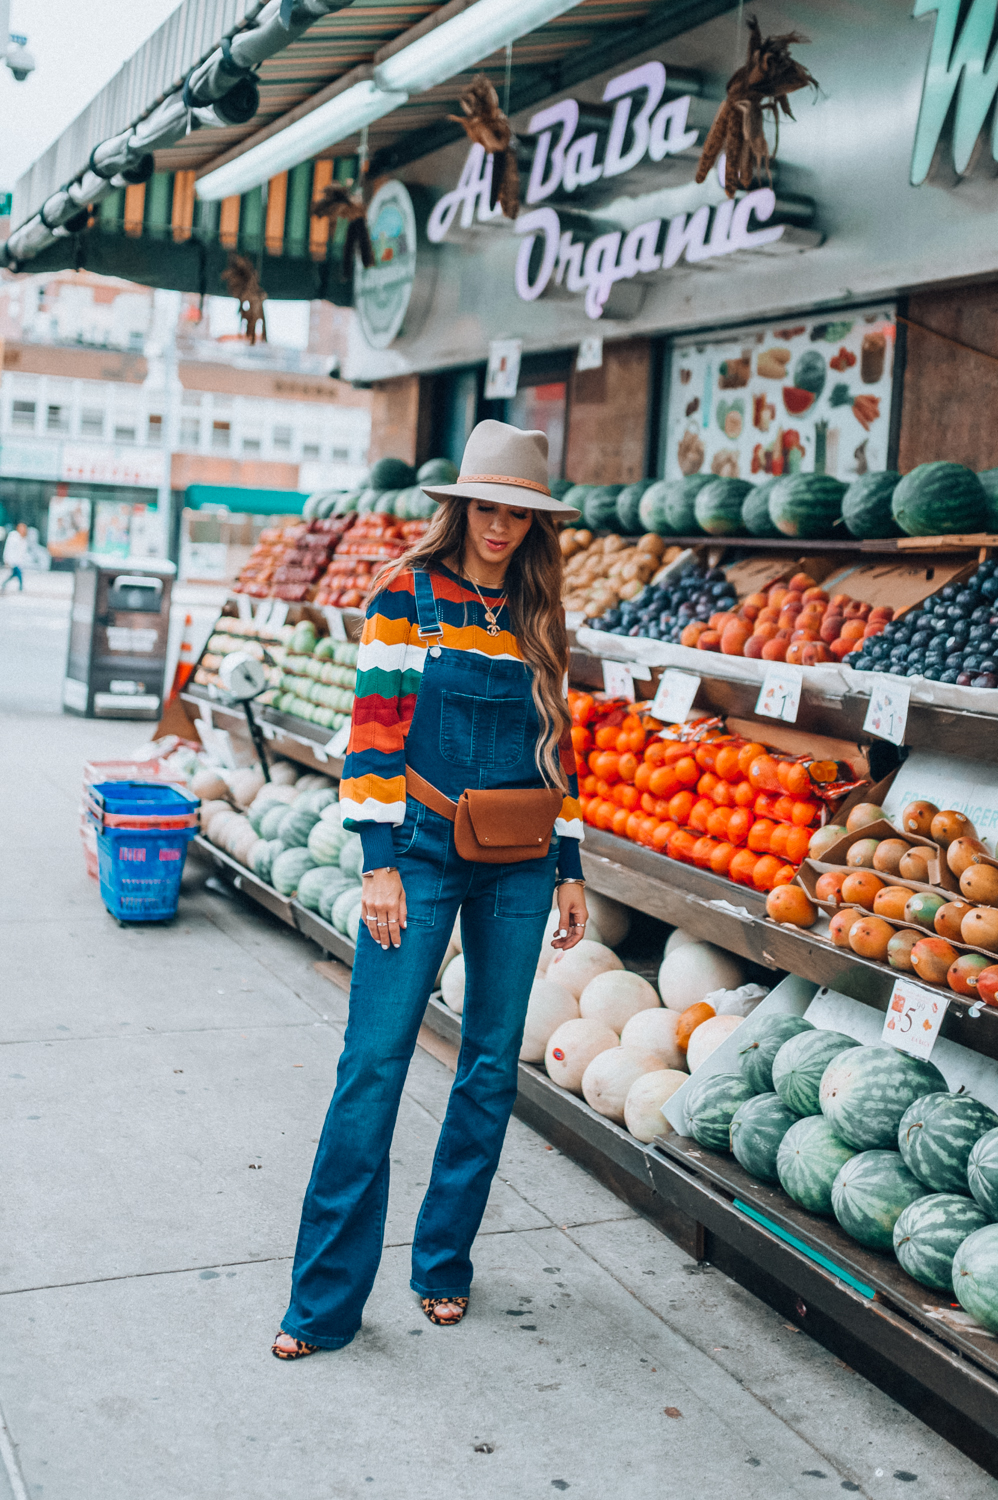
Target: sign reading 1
{"points": [[566, 162]]}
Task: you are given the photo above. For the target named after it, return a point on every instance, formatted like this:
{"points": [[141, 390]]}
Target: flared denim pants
{"points": [[503, 912]]}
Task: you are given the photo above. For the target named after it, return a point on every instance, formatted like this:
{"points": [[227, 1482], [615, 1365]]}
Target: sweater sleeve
{"points": [[372, 791]]}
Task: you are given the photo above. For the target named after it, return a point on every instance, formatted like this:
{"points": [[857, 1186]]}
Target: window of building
{"points": [[341, 455], [190, 432], [251, 446], [282, 439], [154, 430], [124, 432], [91, 422], [56, 419], [310, 450], [221, 433], [23, 414], [190, 398]]}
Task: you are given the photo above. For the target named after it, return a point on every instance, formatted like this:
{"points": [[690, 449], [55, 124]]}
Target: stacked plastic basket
{"points": [[143, 829]]}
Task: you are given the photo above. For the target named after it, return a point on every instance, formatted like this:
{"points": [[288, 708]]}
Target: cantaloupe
{"points": [[209, 786], [693, 970], [615, 996], [550, 1006], [283, 772], [208, 810], [572, 1048], [244, 785], [708, 1037], [577, 966], [612, 918], [643, 1115], [452, 984], [608, 1079], [678, 939], [655, 1031], [451, 953]]}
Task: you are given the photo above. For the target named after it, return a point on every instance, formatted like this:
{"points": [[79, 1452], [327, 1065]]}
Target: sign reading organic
{"points": [[382, 292], [591, 264], [805, 395]]}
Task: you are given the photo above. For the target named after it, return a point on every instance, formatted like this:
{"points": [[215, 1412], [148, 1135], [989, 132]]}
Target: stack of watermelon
{"points": [[872, 1137], [393, 488]]}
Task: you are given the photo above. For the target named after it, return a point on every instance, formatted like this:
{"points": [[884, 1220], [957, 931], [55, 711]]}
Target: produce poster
{"points": [[808, 395]]}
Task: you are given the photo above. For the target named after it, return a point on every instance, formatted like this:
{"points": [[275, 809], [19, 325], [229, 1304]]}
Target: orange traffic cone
{"points": [[185, 661], [175, 719]]}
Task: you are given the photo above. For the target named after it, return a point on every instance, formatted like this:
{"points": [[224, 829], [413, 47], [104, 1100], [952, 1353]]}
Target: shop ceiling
{"points": [[159, 236]]}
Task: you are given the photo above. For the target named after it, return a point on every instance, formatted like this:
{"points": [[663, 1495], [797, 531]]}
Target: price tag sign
{"points": [[618, 680], [263, 611], [338, 744], [674, 698], [334, 620], [887, 714], [779, 696], [278, 613], [913, 1018]]}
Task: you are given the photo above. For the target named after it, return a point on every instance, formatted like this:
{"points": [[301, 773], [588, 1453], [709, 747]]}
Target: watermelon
{"points": [[718, 506], [347, 503], [800, 1063], [317, 801], [330, 891], [989, 483], [407, 502], [869, 1195], [600, 508], [391, 474], [264, 854], [328, 503], [982, 1173], [711, 1105], [810, 372], [757, 1129], [308, 510], [314, 882], [353, 921], [352, 856], [806, 506], [975, 1275], [385, 504], [930, 1231], [865, 1091], [296, 825], [679, 504], [272, 820], [756, 1055], [326, 840], [651, 509], [866, 505], [367, 500], [808, 1162], [559, 487], [437, 471], [343, 905], [940, 499], [936, 1136], [288, 868], [628, 507], [756, 519]]}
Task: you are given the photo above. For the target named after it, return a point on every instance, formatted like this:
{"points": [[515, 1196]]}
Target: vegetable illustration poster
{"points": [[802, 395]]}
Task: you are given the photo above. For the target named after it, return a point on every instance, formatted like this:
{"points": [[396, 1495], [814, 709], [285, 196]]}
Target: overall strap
{"points": [[427, 620]]}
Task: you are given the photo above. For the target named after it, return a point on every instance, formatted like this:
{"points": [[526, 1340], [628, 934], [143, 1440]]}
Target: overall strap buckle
{"points": [[428, 625]]}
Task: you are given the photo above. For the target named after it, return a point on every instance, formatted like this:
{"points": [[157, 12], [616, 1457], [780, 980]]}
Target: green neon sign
{"points": [[959, 71]]}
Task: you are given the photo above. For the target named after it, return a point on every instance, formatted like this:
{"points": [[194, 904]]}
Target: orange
{"points": [[744, 794], [627, 766], [726, 765], [765, 872], [675, 750], [626, 796], [664, 781], [603, 789], [784, 875], [680, 806], [643, 775], [706, 754], [661, 836], [724, 794], [687, 771], [789, 903], [806, 812], [582, 740], [605, 765], [764, 804], [758, 835], [588, 784], [708, 781], [721, 857], [742, 866], [702, 851], [782, 771], [699, 813], [634, 825], [739, 823], [690, 1019], [797, 842], [660, 808], [655, 752], [680, 845], [747, 754], [647, 828], [860, 888], [717, 823], [605, 813], [783, 808], [779, 838], [763, 774], [606, 736], [619, 824]]}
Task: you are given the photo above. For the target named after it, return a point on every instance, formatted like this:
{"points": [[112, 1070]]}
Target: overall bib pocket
{"points": [[481, 733]]}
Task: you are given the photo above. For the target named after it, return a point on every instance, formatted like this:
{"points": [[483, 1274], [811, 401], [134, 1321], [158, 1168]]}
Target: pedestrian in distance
{"points": [[460, 779], [15, 554]]}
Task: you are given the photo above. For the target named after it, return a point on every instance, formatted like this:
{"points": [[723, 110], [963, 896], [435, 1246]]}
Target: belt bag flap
{"points": [[513, 819]]}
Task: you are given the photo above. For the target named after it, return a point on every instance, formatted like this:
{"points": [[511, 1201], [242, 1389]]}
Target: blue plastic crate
{"points": [[148, 801], [140, 871]]}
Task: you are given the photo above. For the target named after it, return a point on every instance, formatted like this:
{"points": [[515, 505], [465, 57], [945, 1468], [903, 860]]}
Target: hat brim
{"points": [[503, 494]]}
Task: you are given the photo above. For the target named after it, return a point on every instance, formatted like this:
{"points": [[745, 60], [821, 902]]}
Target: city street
{"points": [[164, 1088]]}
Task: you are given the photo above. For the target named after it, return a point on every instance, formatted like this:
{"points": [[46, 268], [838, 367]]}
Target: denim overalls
{"points": [[475, 725]]}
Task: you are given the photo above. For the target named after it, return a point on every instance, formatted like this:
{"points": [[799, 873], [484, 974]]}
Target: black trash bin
{"points": [[118, 638]]}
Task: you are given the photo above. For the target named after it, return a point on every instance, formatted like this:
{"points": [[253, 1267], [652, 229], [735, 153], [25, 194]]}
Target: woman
{"points": [[460, 687]]}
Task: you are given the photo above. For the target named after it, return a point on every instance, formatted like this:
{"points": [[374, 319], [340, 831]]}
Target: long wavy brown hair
{"points": [[533, 593]]}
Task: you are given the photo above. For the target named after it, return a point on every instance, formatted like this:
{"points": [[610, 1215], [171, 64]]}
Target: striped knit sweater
{"points": [[389, 665]]}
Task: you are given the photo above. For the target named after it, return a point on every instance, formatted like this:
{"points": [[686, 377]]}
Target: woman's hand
{"points": [[383, 906], [574, 915]]}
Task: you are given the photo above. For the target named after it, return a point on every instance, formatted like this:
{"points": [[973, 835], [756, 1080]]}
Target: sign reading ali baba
{"points": [[641, 125]]}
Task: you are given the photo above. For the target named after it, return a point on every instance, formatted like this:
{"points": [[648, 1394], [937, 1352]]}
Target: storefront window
{"points": [[543, 407]]}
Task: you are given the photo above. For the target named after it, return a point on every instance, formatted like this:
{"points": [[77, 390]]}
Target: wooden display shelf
{"points": [[734, 917], [244, 880], [804, 546], [295, 739]]}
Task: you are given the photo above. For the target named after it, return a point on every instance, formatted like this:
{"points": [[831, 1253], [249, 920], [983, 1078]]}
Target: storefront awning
{"points": [[245, 502]]}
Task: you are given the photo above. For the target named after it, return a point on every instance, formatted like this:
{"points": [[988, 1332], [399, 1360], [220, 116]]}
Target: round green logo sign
{"points": [[381, 292]]}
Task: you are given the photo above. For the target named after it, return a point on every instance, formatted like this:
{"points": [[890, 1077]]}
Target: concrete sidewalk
{"points": [[165, 1088]]}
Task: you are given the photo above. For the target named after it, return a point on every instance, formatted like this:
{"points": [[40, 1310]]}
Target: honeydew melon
{"points": [[655, 1031], [615, 996], [576, 967], [551, 926], [643, 1115], [244, 785], [283, 773], [678, 939], [455, 936], [707, 1037], [549, 1006], [209, 786], [612, 918], [607, 1081], [572, 1048], [452, 984], [693, 970], [450, 953]]}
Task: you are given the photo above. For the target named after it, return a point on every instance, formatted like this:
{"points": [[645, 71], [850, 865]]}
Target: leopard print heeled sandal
{"points": [[300, 1350], [430, 1305]]}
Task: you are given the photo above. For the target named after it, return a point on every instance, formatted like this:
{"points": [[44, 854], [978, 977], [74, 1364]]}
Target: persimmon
{"points": [[721, 857], [742, 867], [690, 1019], [790, 903]]}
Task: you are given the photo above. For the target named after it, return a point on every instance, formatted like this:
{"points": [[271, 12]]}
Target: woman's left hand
{"points": [[574, 915]]}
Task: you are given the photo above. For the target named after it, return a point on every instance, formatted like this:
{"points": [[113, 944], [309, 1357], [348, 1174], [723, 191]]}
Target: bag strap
{"points": [[427, 619], [418, 787]]}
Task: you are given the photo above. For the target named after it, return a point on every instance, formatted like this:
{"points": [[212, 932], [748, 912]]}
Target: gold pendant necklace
{"points": [[491, 611]]}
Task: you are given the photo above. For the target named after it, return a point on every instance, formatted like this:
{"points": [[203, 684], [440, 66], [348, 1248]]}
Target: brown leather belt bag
{"points": [[494, 828]]}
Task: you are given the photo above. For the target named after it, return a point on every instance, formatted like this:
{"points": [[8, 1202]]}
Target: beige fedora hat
{"points": [[507, 466]]}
